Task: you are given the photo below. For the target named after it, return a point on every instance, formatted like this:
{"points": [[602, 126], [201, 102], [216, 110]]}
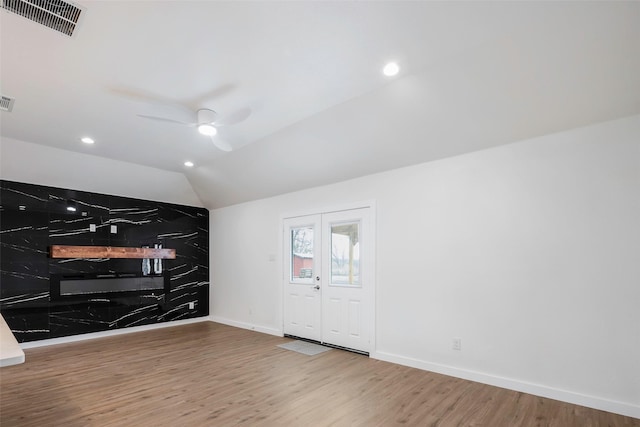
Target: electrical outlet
{"points": [[457, 344], [92, 228], [192, 305], [114, 229]]}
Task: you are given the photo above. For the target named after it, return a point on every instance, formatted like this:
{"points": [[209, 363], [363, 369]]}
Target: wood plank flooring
{"points": [[208, 374]]}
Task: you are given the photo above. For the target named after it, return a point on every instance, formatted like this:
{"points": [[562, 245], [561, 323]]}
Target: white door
{"points": [[302, 304], [347, 284], [329, 283]]}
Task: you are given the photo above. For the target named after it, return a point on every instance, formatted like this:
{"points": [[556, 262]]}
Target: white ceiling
{"points": [[474, 75]]}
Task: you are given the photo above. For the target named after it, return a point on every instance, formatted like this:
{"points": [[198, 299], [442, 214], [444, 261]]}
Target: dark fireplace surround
{"points": [[101, 287], [43, 297]]}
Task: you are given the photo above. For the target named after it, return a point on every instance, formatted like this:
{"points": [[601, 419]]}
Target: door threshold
{"points": [[337, 347]]}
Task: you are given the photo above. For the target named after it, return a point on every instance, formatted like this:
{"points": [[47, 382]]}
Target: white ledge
{"points": [[10, 351]]}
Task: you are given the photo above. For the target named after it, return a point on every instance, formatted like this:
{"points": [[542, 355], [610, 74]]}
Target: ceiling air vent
{"points": [[56, 14], [6, 103]]}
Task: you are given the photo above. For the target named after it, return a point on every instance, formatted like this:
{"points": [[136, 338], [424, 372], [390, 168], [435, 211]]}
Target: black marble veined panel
{"points": [[33, 217], [72, 229], [186, 287], [22, 290], [125, 265], [67, 202], [133, 219], [24, 236], [169, 212], [81, 318], [28, 324], [145, 311], [24, 272], [79, 265], [27, 197]]}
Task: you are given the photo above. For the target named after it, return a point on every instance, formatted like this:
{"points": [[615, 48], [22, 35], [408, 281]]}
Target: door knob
{"points": [[318, 278], [316, 287]]}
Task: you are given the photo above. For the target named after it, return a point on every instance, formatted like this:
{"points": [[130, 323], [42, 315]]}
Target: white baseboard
{"points": [[243, 325], [621, 408], [93, 335]]}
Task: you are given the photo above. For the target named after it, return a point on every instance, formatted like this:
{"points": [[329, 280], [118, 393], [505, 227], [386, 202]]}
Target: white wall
{"points": [[38, 164], [529, 252]]}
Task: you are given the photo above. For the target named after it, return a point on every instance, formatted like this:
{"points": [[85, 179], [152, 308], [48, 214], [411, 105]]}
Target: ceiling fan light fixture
{"points": [[207, 129], [391, 69]]}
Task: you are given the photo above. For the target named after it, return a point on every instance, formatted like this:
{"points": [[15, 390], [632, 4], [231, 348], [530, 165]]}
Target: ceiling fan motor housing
{"points": [[206, 116]]}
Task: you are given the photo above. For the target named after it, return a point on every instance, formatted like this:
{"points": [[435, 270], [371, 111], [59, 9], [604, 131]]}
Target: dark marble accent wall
{"points": [[33, 217]]}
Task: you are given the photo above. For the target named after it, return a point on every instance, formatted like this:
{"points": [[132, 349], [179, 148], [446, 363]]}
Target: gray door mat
{"points": [[304, 347]]}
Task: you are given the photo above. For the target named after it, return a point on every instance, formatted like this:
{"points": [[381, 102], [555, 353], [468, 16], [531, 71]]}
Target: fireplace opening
{"points": [[86, 287]]}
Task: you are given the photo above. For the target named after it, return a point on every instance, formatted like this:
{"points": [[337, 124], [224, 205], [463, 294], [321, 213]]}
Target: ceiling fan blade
{"points": [[163, 119], [234, 118], [138, 95], [221, 144]]}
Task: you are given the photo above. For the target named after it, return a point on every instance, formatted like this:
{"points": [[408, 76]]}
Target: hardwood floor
{"points": [[207, 374]]}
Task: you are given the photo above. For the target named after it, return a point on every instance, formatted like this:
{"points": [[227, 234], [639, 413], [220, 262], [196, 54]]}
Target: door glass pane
{"points": [[345, 254], [301, 253]]}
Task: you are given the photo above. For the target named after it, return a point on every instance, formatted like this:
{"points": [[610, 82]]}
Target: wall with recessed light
{"points": [[39, 164], [528, 252], [34, 217]]}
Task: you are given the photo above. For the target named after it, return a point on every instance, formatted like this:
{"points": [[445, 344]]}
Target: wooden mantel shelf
{"points": [[62, 251]]}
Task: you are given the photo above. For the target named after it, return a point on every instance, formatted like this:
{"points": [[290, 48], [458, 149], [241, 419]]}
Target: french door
{"points": [[329, 279]]}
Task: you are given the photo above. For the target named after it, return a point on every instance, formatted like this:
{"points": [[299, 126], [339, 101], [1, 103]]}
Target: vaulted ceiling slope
{"points": [[473, 75]]}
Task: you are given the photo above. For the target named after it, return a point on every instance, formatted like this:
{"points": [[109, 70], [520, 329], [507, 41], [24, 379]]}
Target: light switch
{"points": [[92, 228], [114, 229]]}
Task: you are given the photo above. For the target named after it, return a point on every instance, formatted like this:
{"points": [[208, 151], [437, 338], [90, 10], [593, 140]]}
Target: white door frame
{"points": [[371, 204]]}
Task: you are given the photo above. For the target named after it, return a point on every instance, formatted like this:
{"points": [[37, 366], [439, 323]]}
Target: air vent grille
{"points": [[6, 103], [56, 14]]}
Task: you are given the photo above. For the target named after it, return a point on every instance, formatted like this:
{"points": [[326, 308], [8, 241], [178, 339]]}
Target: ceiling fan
{"points": [[207, 122]]}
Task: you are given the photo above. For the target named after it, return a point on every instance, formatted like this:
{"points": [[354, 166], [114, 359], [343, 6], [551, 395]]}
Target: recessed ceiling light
{"points": [[391, 69], [188, 164], [87, 140]]}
